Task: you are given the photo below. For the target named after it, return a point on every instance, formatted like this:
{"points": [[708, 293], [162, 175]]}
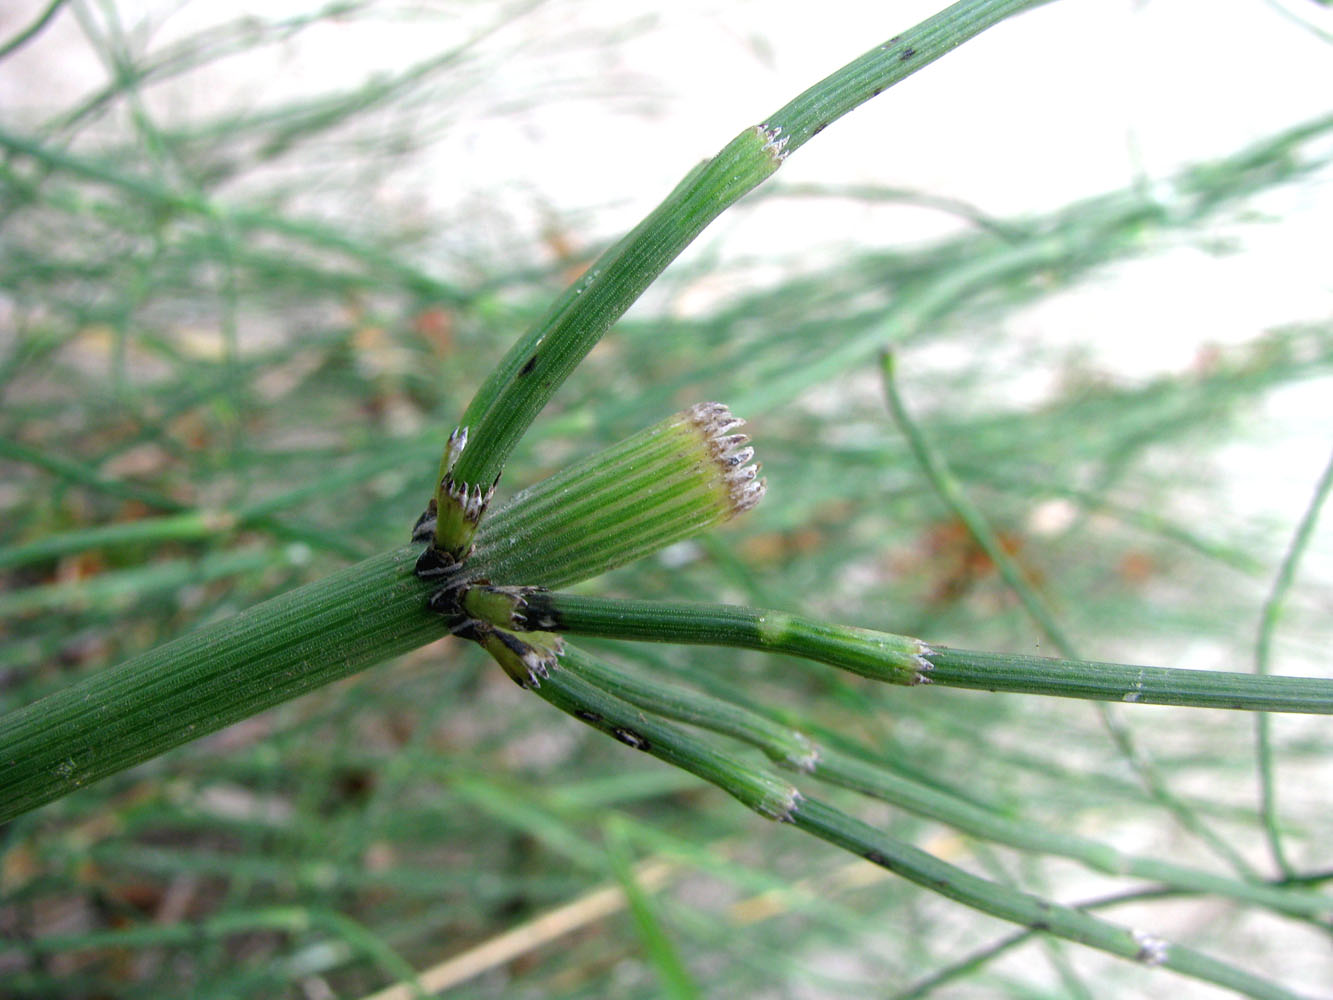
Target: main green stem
{"points": [[212, 677]]}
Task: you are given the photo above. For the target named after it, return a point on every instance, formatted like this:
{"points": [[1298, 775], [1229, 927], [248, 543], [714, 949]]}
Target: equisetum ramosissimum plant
{"points": [[501, 578], [680, 477]]}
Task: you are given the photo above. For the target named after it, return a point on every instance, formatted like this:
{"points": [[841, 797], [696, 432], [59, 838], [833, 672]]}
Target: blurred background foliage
{"points": [[225, 369]]}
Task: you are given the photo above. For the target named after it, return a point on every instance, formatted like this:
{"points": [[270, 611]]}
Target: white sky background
{"points": [[1073, 99]]}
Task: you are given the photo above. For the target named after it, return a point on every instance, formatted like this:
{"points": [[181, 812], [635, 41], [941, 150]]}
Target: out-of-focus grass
{"points": [[216, 382]]}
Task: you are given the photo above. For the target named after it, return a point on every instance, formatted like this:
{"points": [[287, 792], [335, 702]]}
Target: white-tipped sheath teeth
{"points": [[781, 805], [775, 143], [747, 496], [807, 760], [1152, 949], [923, 664], [538, 665], [715, 420], [457, 442], [731, 451], [738, 458], [723, 426], [473, 500]]}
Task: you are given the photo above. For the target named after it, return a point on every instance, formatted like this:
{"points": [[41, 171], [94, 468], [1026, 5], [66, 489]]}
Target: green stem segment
{"points": [[1286, 575], [1066, 922], [775, 799], [536, 366], [520, 386], [858, 769], [897, 659], [882, 656], [1128, 683], [946, 485]]}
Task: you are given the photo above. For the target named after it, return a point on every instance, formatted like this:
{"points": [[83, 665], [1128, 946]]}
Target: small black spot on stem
{"points": [[528, 365], [586, 716], [513, 643], [630, 738], [907, 54], [876, 858], [819, 128]]}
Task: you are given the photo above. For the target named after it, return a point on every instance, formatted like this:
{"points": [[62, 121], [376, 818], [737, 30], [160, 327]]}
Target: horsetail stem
{"points": [[771, 797], [900, 659], [859, 769], [538, 364], [882, 656]]}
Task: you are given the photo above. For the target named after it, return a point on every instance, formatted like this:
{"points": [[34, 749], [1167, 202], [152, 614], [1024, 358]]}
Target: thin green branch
{"points": [[190, 526], [862, 193], [986, 671], [785, 746], [871, 779], [675, 978], [118, 588], [33, 29], [780, 801], [874, 72], [255, 516], [293, 920], [1065, 922], [215, 524], [794, 750], [1286, 576], [882, 656], [168, 202], [900, 659], [950, 491], [983, 956], [538, 364]]}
